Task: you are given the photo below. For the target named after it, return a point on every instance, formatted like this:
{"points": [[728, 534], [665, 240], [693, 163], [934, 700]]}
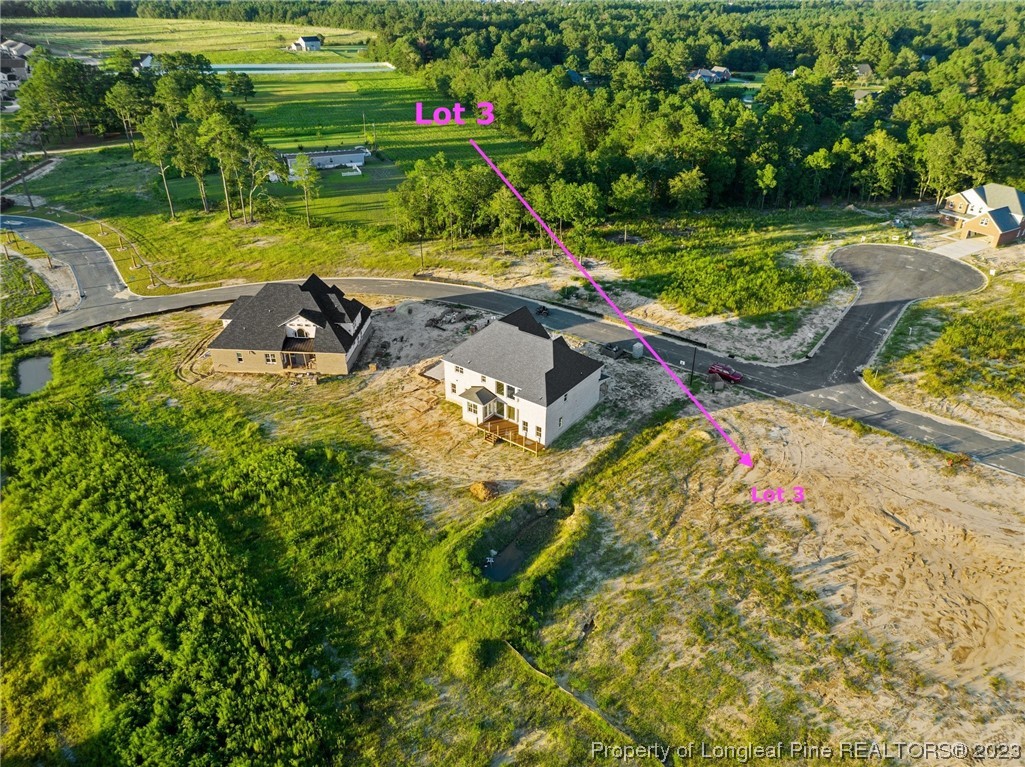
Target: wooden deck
{"points": [[500, 430]]}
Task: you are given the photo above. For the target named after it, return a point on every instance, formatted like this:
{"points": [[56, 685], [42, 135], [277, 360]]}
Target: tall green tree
{"points": [[191, 158], [630, 197], [128, 103], [223, 140], [306, 177], [158, 146], [688, 189]]}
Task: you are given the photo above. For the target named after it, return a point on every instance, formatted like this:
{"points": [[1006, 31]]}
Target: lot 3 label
{"points": [[444, 115], [777, 495]]}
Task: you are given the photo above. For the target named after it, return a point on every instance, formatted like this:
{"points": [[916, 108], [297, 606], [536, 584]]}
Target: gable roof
{"points": [[258, 322], [309, 38], [517, 351], [999, 196], [1002, 219]]}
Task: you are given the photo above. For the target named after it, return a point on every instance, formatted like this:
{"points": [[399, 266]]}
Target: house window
{"points": [[459, 369], [453, 388], [984, 222], [565, 397], [500, 388], [301, 333], [560, 423], [471, 407], [525, 427], [270, 359], [483, 379], [511, 392], [537, 432], [239, 358]]}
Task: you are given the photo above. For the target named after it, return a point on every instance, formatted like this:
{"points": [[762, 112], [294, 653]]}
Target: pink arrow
{"points": [[745, 458]]}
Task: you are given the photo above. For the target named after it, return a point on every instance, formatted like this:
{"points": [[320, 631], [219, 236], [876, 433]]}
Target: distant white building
{"points": [[306, 43], [328, 159], [516, 383]]}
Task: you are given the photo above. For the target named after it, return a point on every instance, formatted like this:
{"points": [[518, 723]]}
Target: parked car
{"points": [[725, 372]]}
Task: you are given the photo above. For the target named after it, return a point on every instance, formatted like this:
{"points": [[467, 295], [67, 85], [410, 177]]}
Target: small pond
{"points": [[33, 374]]}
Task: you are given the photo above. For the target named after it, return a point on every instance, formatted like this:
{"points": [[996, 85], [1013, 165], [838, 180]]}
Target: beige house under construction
{"points": [[292, 328]]}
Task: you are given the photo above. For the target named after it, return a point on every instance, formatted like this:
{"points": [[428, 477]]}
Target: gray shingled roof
{"points": [[258, 322], [1002, 219], [517, 351], [1000, 196], [478, 394]]}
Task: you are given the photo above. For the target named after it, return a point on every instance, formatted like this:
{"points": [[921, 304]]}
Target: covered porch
{"points": [[497, 429], [297, 354]]}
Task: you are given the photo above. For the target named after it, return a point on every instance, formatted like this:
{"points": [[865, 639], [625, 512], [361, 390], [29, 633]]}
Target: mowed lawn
{"points": [[319, 110], [223, 42]]}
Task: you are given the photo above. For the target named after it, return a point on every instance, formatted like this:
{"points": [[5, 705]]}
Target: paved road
{"points": [[293, 69], [889, 276]]}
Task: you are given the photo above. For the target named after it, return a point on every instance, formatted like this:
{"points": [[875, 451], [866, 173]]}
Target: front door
{"points": [[500, 409]]}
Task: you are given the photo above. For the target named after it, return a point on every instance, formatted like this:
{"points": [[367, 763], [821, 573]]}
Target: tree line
{"points": [[947, 111]]}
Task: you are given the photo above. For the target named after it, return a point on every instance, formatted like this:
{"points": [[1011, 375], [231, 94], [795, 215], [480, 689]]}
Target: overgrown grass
{"points": [[737, 261], [223, 42], [283, 481], [970, 343], [24, 292]]}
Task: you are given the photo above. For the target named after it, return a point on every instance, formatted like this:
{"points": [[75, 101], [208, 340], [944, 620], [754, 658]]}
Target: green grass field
{"points": [[22, 291], [221, 41], [318, 110]]}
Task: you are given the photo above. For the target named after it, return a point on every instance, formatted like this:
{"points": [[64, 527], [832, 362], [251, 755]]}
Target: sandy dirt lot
{"points": [[923, 562]]}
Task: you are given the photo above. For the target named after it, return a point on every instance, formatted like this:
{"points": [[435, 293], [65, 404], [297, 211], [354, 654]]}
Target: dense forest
{"points": [[947, 108]]}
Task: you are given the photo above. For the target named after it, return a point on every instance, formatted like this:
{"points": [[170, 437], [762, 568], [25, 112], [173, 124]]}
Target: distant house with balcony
{"points": [[516, 383], [994, 211], [291, 328]]}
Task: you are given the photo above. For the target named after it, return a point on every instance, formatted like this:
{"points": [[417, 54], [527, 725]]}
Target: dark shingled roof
{"points": [[258, 322], [1002, 219], [517, 351]]}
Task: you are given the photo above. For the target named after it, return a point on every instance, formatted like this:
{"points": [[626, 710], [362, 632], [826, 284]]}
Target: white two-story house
{"points": [[517, 383]]}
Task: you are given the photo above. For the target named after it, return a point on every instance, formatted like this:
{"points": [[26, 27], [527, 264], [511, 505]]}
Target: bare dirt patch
{"points": [[923, 562]]}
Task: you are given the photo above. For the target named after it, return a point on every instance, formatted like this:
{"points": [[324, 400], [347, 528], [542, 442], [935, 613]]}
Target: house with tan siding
{"points": [[994, 211], [292, 328], [517, 383]]}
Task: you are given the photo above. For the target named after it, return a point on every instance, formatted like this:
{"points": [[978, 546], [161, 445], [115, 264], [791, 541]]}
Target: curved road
{"points": [[889, 277]]}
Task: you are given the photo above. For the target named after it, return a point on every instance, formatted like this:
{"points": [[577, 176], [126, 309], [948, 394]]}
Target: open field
{"points": [[881, 608], [220, 41], [316, 110]]}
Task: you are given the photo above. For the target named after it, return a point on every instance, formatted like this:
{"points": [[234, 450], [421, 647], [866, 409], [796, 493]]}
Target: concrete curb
{"points": [[926, 414]]}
